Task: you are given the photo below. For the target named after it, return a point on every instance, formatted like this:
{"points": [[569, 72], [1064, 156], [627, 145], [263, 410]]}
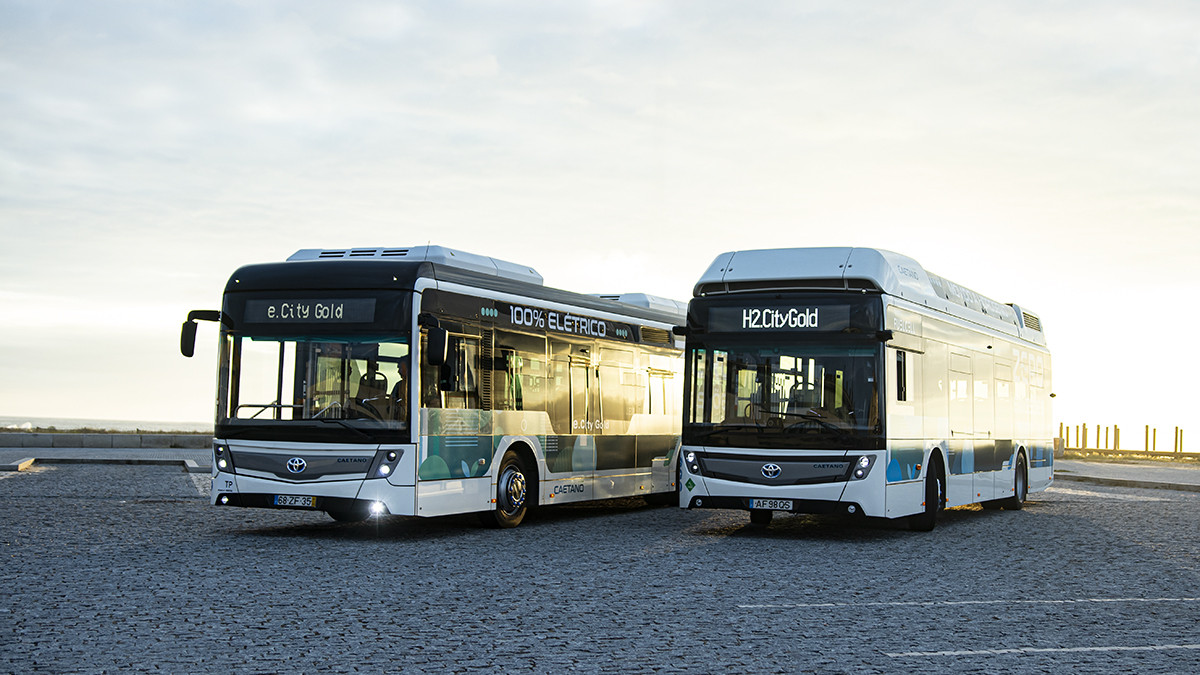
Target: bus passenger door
{"points": [[984, 411], [584, 398], [960, 488], [570, 451]]}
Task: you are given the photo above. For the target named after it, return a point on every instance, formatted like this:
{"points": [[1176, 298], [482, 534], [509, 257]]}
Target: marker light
{"points": [[224, 499], [693, 463], [378, 509]]}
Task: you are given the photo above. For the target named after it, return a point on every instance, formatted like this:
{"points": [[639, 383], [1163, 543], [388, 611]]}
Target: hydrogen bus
{"points": [[427, 381], [850, 380]]}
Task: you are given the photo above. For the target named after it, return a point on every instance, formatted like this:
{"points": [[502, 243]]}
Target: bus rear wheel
{"points": [[513, 483], [1020, 487]]}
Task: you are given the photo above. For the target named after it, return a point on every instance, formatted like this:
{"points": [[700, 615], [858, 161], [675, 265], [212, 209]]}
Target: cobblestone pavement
{"points": [[128, 569]]}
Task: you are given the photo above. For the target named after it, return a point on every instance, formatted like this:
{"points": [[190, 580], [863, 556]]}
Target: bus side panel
{"points": [[960, 473], [1041, 467], [905, 499], [461, 495], [400, 501]]}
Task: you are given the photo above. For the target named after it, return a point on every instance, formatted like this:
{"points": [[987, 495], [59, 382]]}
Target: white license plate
{"points": [[771, 504], [296, 500]]}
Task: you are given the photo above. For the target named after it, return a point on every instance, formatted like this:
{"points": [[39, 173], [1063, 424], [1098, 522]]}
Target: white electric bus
{"points": [[850, 380], [520, 394]]}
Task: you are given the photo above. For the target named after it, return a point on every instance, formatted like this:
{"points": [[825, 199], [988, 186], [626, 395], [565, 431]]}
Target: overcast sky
{"points": [[1043, 153]]}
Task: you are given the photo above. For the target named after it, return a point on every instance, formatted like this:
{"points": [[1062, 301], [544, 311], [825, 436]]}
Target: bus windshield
{"points": [[298, 379], [784, 395]]}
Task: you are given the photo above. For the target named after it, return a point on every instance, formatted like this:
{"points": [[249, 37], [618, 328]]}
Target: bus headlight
{"points": [[385, 463], [862, 467], [693, 462], [377, 509], [222, 458]]}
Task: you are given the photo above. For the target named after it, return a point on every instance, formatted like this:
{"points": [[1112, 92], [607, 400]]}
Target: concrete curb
{"points": [[189, 465], [1124, 482], [19, 465], [70, 440]]}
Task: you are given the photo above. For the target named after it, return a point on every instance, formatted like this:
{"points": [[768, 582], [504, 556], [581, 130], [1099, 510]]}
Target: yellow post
{"points": [[1083, 445], [1116, 437], [1147, 445], [1105, 438]]}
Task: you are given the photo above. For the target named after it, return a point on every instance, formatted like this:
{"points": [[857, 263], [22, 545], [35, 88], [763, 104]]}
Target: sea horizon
{"points": [[19, 423]]}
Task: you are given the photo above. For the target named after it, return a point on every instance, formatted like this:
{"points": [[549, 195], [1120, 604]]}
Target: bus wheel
{"points": [[353, 515], [512, 492], [1020, 487], [935, 497], [761, 517]]}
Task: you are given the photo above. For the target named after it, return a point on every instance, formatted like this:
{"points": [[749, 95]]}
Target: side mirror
{"points": [[187, 334], [187, 339], [436, 340]]}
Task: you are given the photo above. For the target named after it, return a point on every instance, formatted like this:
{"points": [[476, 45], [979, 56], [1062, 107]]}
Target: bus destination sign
{"points": [[780, 318], [327, 310]]}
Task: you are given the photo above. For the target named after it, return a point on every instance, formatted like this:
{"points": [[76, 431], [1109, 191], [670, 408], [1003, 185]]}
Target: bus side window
{"points": [[901, 376]]}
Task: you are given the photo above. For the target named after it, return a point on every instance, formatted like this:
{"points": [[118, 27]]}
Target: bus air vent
{"points": [[1031, 321], [655, 335]]}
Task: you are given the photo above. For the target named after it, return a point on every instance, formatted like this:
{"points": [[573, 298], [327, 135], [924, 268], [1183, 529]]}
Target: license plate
{"points": [[296, 500], [771, 504]]}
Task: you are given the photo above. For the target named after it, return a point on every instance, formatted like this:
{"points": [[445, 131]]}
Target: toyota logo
{"points": [[297, 464], [771, 470]]}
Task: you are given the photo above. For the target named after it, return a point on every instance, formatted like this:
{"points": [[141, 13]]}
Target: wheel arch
{"points": [[523, 449]]}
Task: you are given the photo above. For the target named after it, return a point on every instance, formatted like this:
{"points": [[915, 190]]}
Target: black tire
{"points": [[1020, 487], [352, 515], [513, 491], [935, 499], [761, 517]]}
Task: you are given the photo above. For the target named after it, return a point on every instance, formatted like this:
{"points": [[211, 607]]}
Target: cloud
{"points": [[149, 149]]}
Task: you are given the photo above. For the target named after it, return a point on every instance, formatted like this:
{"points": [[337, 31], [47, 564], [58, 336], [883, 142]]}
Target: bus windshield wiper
{"points": [[344, 424]]}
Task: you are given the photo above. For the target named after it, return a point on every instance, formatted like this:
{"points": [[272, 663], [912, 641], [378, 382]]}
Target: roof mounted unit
{"points": [[648, 301], [438, 255]]}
